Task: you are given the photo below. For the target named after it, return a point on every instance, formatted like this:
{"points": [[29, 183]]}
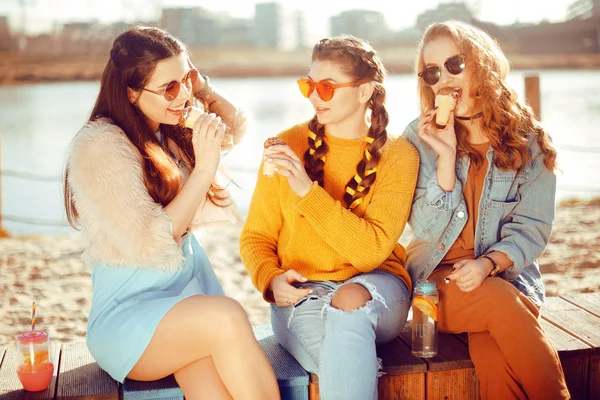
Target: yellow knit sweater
{"points": [[317, 235]]}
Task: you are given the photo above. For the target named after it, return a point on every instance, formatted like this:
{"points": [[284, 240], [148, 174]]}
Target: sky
{"points": [[42, 15]]}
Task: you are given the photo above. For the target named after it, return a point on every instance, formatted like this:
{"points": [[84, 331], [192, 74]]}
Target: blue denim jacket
{"points": [[516, 212]]}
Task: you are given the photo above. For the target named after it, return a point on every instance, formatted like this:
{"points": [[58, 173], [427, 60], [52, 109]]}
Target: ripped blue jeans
{"points": [[339, 346]]}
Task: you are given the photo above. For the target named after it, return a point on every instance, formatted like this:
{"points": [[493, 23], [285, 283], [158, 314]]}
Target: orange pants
{"points": [[513, 358]]}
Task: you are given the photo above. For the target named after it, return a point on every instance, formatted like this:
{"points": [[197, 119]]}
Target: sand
{"points": [[48, 269]]}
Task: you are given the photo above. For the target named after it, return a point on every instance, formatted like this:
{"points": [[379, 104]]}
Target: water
{"points": [[37, 123], [424, 335], [424, 320]]}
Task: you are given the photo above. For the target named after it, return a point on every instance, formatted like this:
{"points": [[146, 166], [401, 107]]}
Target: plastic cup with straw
{"points": [[35, 369]]}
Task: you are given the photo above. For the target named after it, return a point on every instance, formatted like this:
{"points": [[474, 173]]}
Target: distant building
{"points": [[364, 24], [194, 26], [236, 33], [584, 9], [576, 36], [76, 38], [6, 40], [447, 11], [275, 26]]}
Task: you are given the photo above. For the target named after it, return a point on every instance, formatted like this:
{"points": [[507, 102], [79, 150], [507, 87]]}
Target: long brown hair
{"points": [[132, 62], [360, 61], [506, 122]]}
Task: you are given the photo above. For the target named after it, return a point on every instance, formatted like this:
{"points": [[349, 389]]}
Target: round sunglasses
{"points": [[325, 89], [172, 89], [455, 65]]}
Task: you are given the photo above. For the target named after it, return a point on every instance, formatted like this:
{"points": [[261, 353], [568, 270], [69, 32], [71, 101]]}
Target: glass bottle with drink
{"points": [[425, 317]]}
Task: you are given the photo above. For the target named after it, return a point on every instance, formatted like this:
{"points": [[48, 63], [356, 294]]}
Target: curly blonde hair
{"points": [[507, 122]]}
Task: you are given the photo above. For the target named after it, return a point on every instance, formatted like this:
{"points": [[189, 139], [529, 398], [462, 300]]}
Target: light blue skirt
{"points": [[129, 303]]}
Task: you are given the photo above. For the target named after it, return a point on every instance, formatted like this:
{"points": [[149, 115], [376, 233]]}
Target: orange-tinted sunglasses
{"points": [[172, 89], [325, 89]]}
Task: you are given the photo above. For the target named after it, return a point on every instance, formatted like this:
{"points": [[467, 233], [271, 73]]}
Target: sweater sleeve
{"points": [[106, 179], [260, 234], [367, 241]]}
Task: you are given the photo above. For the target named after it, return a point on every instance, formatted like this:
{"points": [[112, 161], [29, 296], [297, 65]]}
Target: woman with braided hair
{"points": [[321, 236], [137, 182]]}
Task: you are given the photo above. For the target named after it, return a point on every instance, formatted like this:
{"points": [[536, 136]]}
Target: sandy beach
{"points": [[48, 270]]}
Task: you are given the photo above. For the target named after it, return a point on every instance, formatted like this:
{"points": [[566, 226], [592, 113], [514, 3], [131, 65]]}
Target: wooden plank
{"points": [[404, 374], [10, 386], [574, 358], [583, 325], [405, 386], [590, 302], [81, 378], [570, 318], [532, 94], [452, 384], [450, 374], [313, 388], [594, 378]]}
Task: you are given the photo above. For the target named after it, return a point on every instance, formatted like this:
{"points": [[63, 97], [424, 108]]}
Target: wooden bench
{"points": [[572, 323]]}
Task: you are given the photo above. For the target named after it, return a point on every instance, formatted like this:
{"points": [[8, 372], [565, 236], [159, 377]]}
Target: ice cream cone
{"points": [[188, 117], [445, 101]]}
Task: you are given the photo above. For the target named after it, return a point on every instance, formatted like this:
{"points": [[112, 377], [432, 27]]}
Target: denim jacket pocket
{"points": [[503, 208], [508, 204]]}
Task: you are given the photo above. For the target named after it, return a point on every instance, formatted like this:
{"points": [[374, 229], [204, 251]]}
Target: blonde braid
{"points": [[366, 170], [314, 156]]}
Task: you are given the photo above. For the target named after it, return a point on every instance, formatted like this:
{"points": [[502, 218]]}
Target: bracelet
{"points": [[496, 269], [206, 91]]}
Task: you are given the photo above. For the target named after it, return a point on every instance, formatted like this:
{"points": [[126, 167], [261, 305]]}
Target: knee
{"points": [[507, 303], [350, 297], [232, 319]]}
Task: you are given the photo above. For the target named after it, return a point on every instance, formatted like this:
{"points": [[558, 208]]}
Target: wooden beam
{"points": [[583, 325], [590, 302], [532, 94], [574, 358], [81, 378]]}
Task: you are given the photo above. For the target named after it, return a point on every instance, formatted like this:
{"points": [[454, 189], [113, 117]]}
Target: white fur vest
{"points": [[121, 223]]}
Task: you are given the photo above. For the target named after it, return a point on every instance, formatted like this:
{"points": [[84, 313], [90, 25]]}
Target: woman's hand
{"points": [[442, 141], [200, 82], [470, 274], [207, 136], [290, 166], [284, 293]]}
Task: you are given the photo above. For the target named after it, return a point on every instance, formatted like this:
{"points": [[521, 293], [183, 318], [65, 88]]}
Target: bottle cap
{"points": [[425, 287]]}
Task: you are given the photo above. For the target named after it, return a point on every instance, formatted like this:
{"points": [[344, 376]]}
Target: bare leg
{"points": [[203, 326], [350, 297], [200, 380]]}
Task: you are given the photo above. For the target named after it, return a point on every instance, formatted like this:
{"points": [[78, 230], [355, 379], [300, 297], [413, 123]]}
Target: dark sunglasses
{"points": [[325, 89], [455, 65], [172, 89]]}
